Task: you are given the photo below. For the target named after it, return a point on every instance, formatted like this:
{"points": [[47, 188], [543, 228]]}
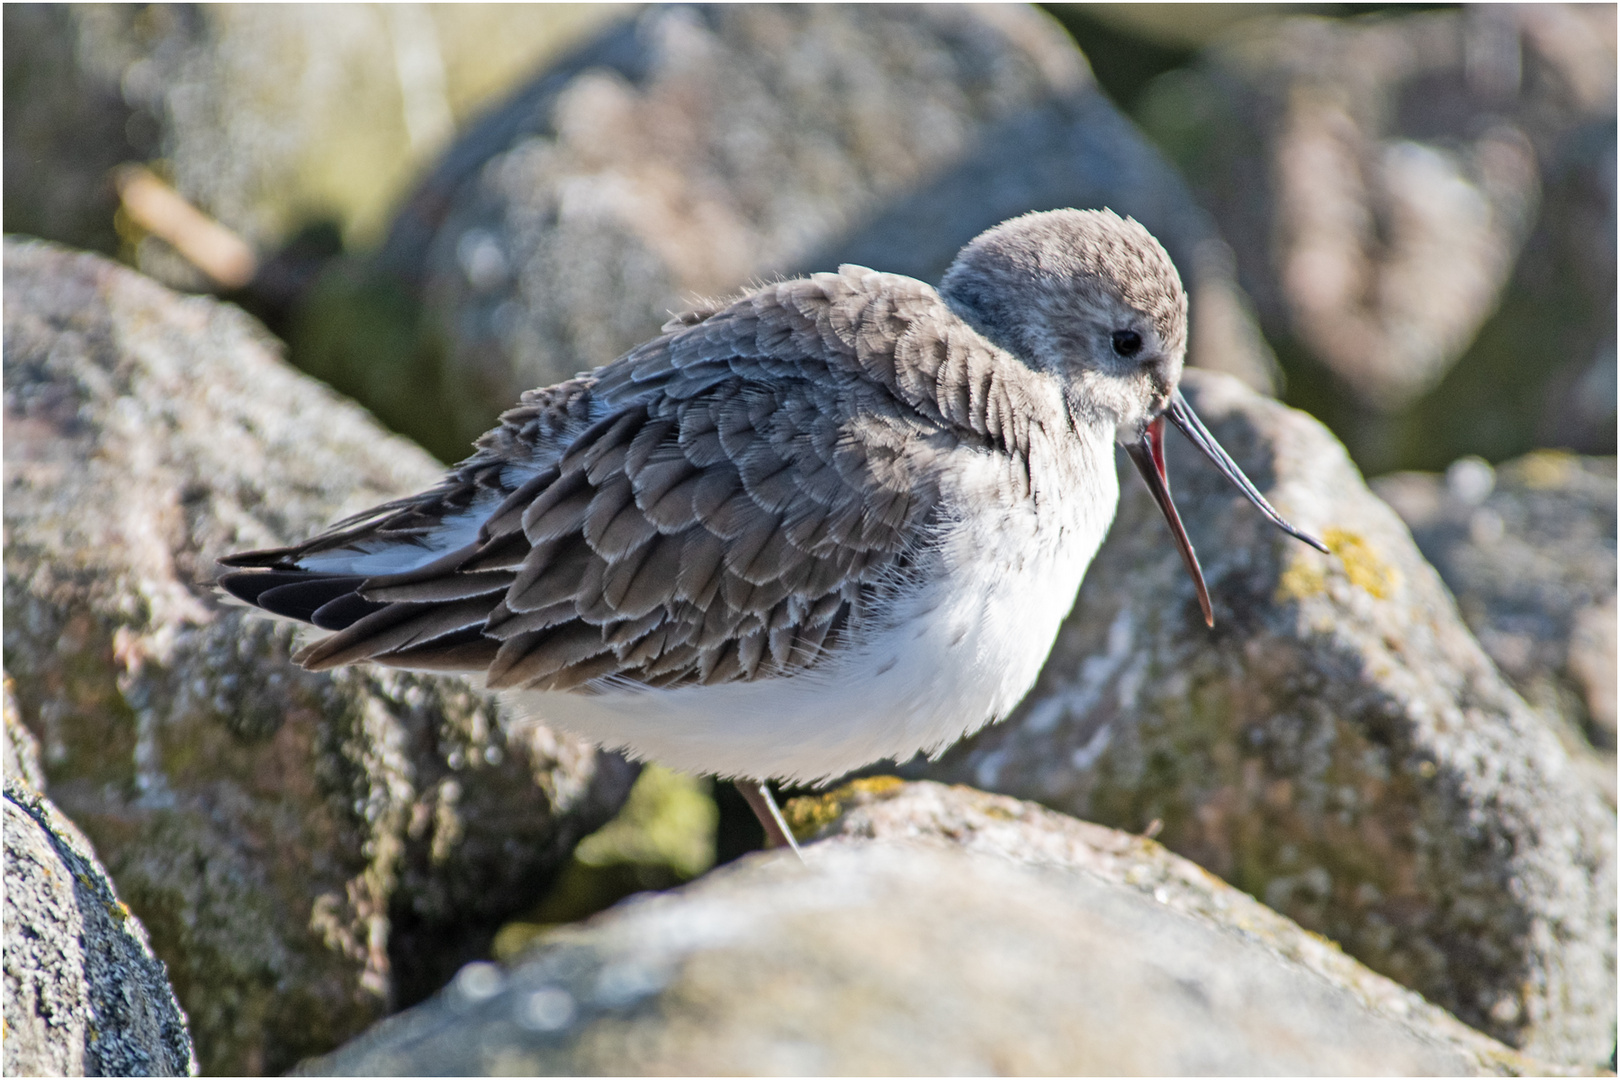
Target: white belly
{"points": [[957, 652]]}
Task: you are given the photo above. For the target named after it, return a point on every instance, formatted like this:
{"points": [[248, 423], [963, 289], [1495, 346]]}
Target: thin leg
{"points": [[777, 834]]}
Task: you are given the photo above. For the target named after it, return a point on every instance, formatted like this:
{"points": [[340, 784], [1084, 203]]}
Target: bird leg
{"points": [[777, 833]]}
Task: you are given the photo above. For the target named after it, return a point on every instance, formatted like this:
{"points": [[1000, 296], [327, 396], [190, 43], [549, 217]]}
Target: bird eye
{"points": [[1127, 342]]}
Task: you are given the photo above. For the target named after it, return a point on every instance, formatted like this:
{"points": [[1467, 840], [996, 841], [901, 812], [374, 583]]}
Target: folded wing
{"points": [[725, 502]]}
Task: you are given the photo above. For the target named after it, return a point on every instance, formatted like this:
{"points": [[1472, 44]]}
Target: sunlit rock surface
{"points": [[974, 935]]}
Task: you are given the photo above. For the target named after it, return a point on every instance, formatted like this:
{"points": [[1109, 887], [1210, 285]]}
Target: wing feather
{"points": [[725, 502]]}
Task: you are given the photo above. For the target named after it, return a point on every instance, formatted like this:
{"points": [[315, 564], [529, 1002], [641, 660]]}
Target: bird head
{"points": [[1094, 300]]}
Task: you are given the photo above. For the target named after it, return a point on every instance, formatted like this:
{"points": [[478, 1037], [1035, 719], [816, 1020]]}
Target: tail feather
{"points": [[248, 587], [301, 599], [344, 611]]}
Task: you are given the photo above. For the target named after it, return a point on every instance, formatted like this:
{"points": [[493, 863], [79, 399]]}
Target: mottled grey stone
{"points": [[307, 851], [699, 148], [1528, 549], [1338, 746], [84, 996], [891, 957]]}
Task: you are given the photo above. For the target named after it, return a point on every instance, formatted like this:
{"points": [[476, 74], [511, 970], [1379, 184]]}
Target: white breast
{"points": [[959, 649]]}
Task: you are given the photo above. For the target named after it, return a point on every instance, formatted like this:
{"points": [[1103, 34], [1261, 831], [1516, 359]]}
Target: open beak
{"points": [[1148, 454]]}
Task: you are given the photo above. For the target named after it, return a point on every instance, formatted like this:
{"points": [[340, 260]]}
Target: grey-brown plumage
{"points": [[771, 493]]}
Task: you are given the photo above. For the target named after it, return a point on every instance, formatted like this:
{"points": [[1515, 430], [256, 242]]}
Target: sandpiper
{"points": [[830, 521]]}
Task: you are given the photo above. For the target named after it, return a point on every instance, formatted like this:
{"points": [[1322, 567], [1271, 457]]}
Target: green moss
{"points": [[663, 837], [668, 819]]}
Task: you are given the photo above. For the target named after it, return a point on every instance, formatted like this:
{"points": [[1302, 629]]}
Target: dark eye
{"points": [[1127, 342]]}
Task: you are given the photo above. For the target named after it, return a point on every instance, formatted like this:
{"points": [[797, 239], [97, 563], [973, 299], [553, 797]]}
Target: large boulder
{"points": [[1414, 191], [700, 148], [1338, 745], [307, 851], [84, 996], [976, 934], [1528, 549]]}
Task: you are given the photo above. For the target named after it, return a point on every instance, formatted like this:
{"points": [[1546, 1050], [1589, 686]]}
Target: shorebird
{"points": [[827, 522]]}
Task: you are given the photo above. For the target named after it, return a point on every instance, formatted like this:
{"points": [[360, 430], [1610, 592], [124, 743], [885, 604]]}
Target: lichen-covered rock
{"points": [[305, 850], [84, 996], [703, 147], [1409, 189], [913, 959], [1528, 549], [1338, 745]]}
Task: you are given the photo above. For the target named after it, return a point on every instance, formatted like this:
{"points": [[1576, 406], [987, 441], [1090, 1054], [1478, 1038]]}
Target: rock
{"points": [[887, 809], [21, 748], [700, 148], [238, 104], [307, 851], [906, 958], [1528, 549], [1338, 745], [84, 996], [1406, 190]]}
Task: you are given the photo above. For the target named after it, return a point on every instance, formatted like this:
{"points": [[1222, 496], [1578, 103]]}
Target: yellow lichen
{"points": [[1305, 575], [1302, 579], [809, 814], [1546, 469], [1365, 568]]}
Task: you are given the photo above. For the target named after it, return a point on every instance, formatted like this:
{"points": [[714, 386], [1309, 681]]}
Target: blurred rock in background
{"points": [[1422, 206], [1528, 548], [664, 836], [267, 118], [1469, 152], [298, 127], [697, 149], [308, 851], [66, 126]]}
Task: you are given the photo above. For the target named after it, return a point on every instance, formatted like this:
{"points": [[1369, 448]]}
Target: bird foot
{"points": [[760, 800]]}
